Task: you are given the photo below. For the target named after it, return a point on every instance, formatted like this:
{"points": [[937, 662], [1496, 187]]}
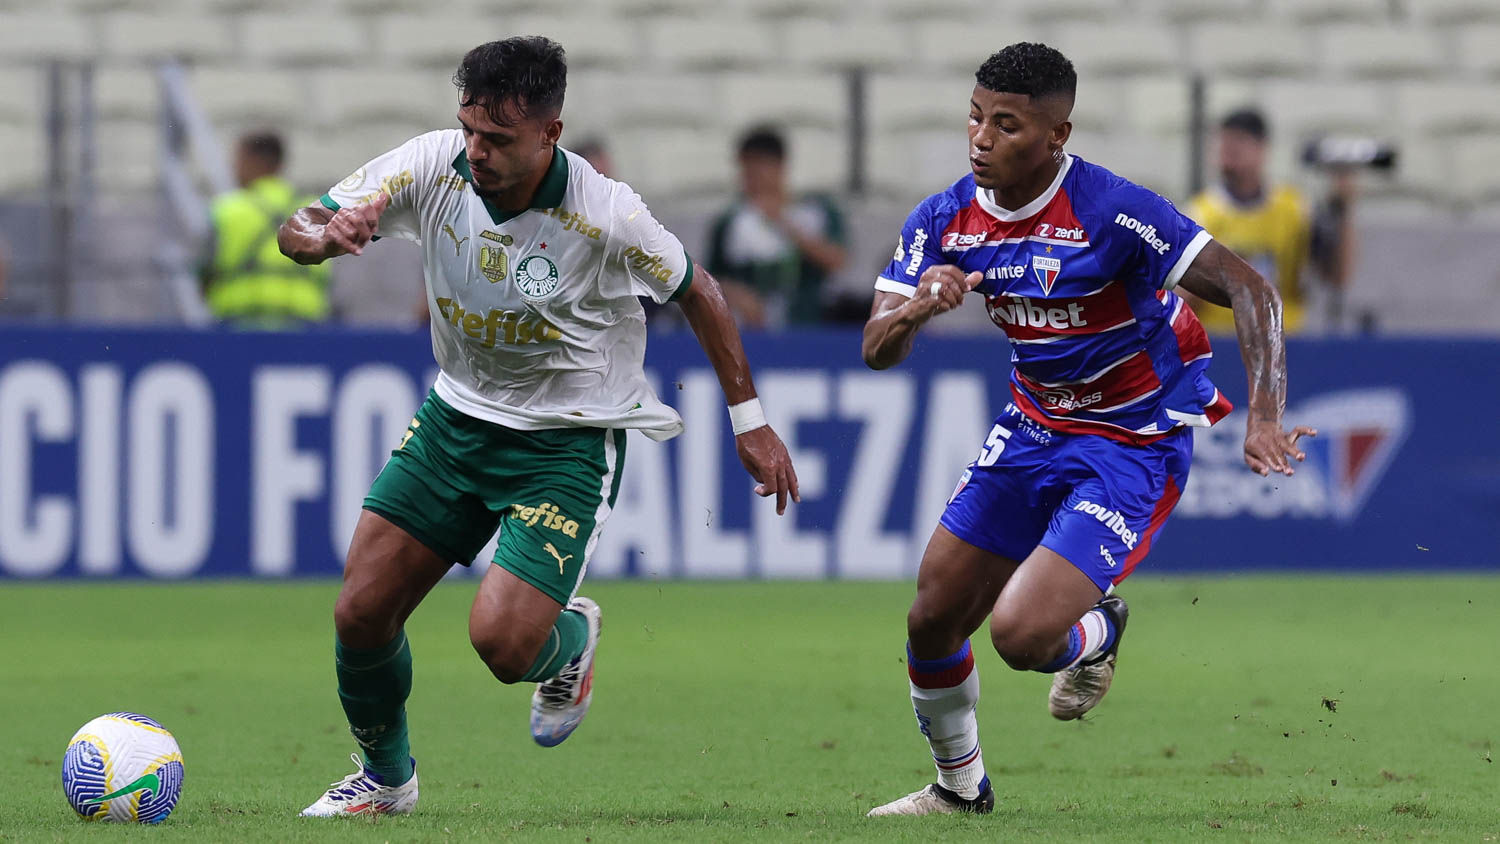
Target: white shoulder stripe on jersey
{"points": [[887, 285], [1185, 260]]}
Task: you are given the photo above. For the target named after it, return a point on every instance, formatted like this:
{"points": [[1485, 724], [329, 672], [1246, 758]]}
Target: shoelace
{"points": [[1086, 679], [351, 785], [558, 693]]}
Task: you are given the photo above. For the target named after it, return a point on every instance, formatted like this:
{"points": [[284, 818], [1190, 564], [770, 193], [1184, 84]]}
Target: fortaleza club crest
{"points": [[1046, 270], [536, 277]]}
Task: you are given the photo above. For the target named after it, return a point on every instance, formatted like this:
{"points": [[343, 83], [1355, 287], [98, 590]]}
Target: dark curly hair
{"points": [[1034, 70], [514, 77]]}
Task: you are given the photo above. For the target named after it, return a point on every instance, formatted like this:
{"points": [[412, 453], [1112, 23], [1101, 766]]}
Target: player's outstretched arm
{"points": [[1221, 277], [894, 319], [761, 451], [315, 234]]}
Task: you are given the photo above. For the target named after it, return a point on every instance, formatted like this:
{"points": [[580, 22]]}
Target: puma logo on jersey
{"points": [[457, 244], [556, 556]]}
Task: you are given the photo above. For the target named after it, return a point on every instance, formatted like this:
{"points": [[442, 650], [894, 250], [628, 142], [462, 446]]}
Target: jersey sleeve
{"points": [[916, 250], [652, 258], [400, 173], [1154, 242]]}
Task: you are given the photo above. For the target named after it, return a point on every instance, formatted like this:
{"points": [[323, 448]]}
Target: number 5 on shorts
{"points": [[994, 444]]}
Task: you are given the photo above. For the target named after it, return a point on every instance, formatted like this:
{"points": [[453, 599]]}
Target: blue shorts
{"points": [[1097, 502]]}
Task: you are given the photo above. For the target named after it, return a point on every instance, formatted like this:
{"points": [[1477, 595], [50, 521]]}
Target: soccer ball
{"points": [[122, 767]]}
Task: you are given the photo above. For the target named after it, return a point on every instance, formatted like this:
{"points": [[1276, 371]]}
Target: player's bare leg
{"points": [[524, 635], [1050, 618], [957, 586], [386, 576]]}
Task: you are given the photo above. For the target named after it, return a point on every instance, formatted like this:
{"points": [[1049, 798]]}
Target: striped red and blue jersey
{"points": [[1080, 280]]}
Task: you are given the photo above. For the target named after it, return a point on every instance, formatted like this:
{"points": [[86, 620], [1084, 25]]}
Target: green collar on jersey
{"points": [[549, 194]]}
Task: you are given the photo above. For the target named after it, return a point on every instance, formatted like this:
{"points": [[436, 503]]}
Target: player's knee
{"points": [[931, 631], [361, 622], [1023, 647], [506, 657]]}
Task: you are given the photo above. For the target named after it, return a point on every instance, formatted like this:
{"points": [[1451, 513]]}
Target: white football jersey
{"points": [[535, 321]]}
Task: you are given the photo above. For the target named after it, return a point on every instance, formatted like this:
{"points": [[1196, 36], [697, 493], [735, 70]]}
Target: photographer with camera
{"points": [[1271, 227]]}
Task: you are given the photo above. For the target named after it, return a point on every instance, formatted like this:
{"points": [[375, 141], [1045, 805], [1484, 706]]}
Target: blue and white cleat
{"points": [[558, 705], [362, 793]]}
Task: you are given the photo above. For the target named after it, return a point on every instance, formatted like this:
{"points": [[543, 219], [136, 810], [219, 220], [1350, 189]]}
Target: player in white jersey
{"points": [[534, 263]]}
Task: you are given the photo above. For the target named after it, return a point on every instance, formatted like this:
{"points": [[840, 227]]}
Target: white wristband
{"points": [[746, 416]]}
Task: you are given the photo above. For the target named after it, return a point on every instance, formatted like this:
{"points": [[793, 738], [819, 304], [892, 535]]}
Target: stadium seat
{"points": [[1156, 105], [1066, 12], [950, 45], [1380, 51], [1424, 171], [1476, 168], [44, 36], [129, 157], [22, 93], [706, 43], [864, 43], [1298, 110], [663, 164], [126, 91], [22, 167], [425, 40], [802, 99], [910, 165], [912, 10], [817, 159], [303, 38], [795, 9], [1304, 11], [352, 96], [598, 41], [1101, 50], [166, 36], [241, 95], [320, 157], [1176, 11], [655, 99], [1448, 107], [899, 102], [1250, 49], [1452, 11], [1479, 48]]}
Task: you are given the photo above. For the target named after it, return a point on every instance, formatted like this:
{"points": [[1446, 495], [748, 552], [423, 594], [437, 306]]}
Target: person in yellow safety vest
{"points": [[247, 282]]}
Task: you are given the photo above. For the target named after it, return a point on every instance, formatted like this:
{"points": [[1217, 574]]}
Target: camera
{"points": [[1350, 152]]}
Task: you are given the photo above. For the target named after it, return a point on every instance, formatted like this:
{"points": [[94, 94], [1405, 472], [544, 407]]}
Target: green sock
{"points": [[373, 685], [564, 644]]}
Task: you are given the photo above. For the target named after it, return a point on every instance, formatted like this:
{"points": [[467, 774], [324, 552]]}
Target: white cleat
{"points": [[558, 705], [1079, 689], [936, 800], [361, 793]]}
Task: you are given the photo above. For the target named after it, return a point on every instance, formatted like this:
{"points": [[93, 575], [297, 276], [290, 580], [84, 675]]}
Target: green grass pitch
{"points": [[1259, 709]]}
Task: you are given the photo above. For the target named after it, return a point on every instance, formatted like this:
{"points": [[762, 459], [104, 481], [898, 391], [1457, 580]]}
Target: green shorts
{"points": [[454, 480]]}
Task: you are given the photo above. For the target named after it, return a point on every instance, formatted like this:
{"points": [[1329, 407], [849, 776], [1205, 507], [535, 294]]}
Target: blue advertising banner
{"points": [[167, 453]]}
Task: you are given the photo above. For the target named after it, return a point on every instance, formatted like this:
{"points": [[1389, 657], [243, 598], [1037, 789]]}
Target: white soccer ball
{"points": [[122, 767]]}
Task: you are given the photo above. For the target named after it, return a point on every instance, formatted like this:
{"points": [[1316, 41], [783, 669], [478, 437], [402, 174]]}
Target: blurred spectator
{"points": [[1269, 225], [594, 151], [771, 250], [247, 281]]}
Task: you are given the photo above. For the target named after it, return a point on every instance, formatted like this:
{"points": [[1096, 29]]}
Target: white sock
{"points": [[1094, 631], [944, 693]]}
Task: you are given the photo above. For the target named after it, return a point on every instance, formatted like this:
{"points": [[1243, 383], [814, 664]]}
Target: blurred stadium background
{"points": [[138, 440], [116, 117]]}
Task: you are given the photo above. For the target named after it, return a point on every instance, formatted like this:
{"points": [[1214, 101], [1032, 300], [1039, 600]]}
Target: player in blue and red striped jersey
{"points": [[1071, 487]]}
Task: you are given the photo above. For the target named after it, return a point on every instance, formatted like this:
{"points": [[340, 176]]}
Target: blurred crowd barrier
{"points": [[172, 453], [872, 95]]}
